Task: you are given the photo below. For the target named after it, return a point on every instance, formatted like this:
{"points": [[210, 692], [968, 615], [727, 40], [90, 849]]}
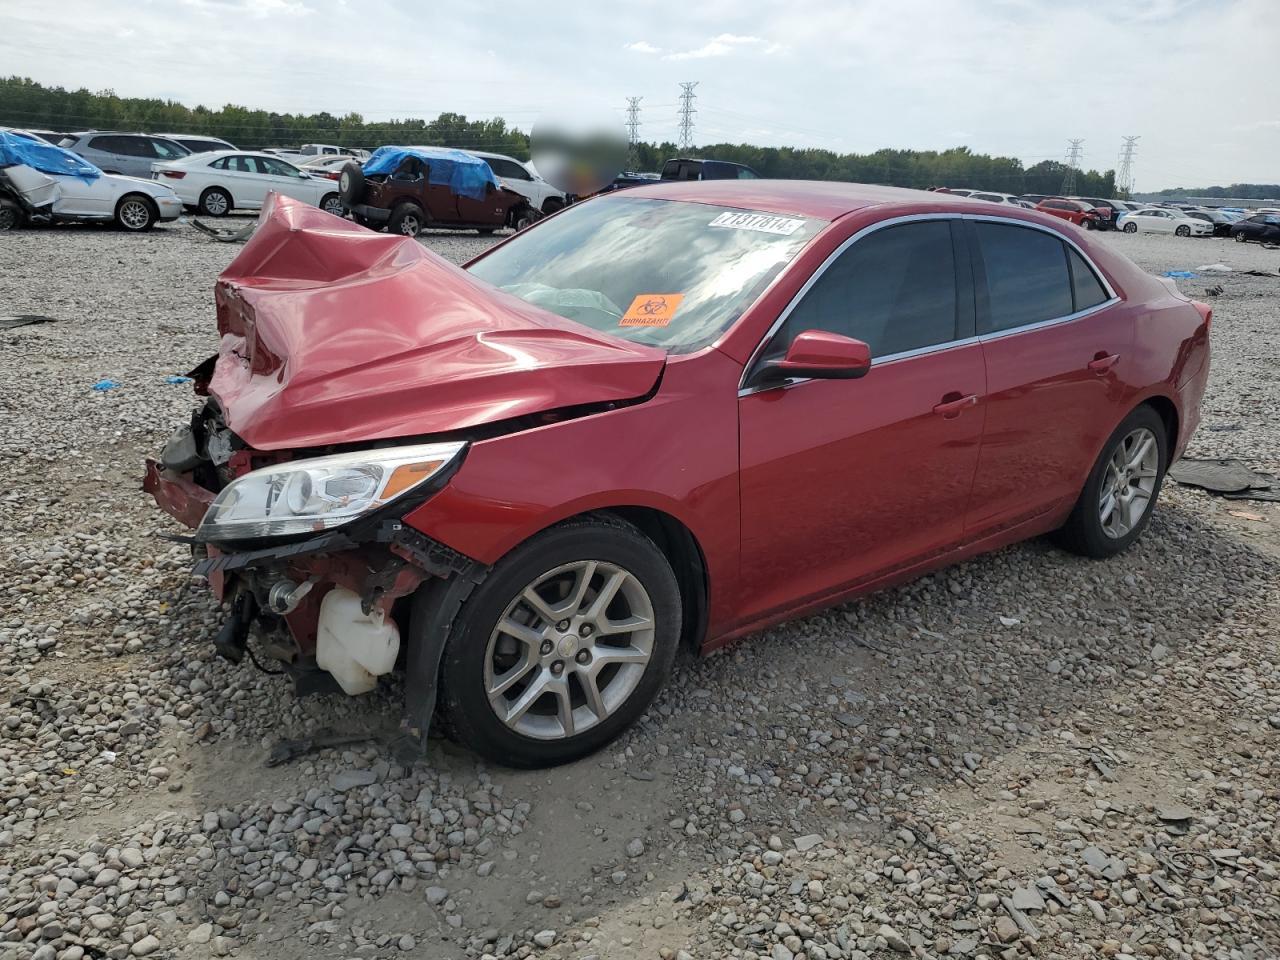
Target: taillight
{"points": [[173, 174], [1205, 311]]}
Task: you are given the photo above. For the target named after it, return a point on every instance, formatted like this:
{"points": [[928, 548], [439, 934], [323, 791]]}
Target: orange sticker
{"points": [[651, 310]]}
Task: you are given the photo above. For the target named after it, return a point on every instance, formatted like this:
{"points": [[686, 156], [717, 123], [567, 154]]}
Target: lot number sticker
{"points": [[651, 310], [760, 222]]}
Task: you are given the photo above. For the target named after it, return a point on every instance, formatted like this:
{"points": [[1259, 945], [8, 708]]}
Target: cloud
{"points": [[718, 46], [642, 46]]}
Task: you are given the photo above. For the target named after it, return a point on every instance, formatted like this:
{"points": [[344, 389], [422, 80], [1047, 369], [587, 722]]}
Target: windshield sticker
{"points": [[760, 222], [651, 310]]}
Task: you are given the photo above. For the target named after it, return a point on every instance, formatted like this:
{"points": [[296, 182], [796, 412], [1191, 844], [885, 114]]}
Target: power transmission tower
{"points": [[1124, 181], [633, 126], [687, 96], [1073, 162]]}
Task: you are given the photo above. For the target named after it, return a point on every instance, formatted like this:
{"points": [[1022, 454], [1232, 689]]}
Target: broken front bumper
{"points": [[279, 588]]}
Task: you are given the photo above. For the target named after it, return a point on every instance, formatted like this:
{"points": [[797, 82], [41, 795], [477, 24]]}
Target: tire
{"points": [[332, 203], [10, 215], [525, 217], [1087, 224], [486, 231], [351, 185], [1130, 228], [551, 565], [1085, 532], [135, 213], [1239, 237], [1182, 231], [407, 219], [216, 202]]}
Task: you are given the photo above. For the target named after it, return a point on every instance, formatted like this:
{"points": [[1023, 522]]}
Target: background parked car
{"points": [[41, 183], [199, 144], [514, 175], [681, 168], [131, 154], [1006, 198], [1263, 227], [1221, 221], [1035, 198], [1165, 220], [1078, 212], [217, 183], [327, 166], [1109, 209]]}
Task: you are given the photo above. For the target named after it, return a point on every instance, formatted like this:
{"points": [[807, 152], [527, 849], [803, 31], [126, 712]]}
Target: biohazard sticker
{"points": [[759, 222], [651, 310]]}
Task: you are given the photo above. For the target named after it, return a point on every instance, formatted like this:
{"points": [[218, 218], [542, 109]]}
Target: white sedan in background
{"points": [[217, 183], [1163, 220]]}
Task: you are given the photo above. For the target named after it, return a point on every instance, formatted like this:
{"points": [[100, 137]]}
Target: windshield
{"points": [[661, 272]]}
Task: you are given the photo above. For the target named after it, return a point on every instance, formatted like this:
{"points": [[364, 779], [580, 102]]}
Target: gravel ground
{"points": [[1027, 754]]}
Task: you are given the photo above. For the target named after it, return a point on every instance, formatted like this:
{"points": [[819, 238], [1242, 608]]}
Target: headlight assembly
{"points": [[307, 496]]}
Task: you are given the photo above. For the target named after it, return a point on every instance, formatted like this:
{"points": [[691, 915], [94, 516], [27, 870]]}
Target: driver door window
{"points": [[895, 290]]}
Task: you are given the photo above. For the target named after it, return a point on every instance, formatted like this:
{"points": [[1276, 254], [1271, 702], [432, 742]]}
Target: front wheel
{"points": [[1116, 502], [1183, 231], [1087, 224], [10, 215], [135, 214], [1130, 228], [1239, 237], [563, 646]]}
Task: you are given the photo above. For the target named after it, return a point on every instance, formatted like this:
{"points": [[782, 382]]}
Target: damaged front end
{"points": [[308, 552]]}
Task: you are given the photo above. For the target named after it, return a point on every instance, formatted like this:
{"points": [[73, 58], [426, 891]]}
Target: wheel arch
{"points": [[1168, 413]]}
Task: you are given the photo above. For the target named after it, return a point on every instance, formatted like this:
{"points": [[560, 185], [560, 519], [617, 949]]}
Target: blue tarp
{"points": [[462, 173], [16, 149]]}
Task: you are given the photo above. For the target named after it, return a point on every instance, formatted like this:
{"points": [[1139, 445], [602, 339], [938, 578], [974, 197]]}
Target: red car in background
{"points": [[669, 416], [1077, 211]]}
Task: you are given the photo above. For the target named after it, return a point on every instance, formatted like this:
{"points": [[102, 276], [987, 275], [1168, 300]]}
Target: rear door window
{"points": [[895, 290], [1027, 279], [1086, 289]]}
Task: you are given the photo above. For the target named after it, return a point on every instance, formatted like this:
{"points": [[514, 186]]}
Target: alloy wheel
{"points": [[569, 650], [134, 214], [409, 225], [333, 205], [215, 204], [1129, 483]]}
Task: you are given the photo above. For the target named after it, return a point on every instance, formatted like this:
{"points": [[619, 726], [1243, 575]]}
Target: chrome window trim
{"points": [[1112, 299]]}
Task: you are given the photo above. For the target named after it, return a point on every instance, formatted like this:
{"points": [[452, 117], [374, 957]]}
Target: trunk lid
{"points": [[334, 334]]}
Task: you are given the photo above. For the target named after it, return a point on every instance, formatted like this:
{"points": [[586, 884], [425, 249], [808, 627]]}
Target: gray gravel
{"points": [[1027, 754]]}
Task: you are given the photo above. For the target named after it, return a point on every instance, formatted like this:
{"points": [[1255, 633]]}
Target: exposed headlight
{"points": [[307, 496]]}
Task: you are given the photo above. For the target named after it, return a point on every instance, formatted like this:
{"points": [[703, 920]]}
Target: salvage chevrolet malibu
{"points": [[663, 418]]}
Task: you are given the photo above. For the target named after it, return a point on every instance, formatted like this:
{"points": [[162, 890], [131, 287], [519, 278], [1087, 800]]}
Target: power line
{"points": [[1124, 181], [1074, 155], [687, 96]]}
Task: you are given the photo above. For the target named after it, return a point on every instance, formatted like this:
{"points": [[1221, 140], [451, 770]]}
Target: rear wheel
{"points": [[1130, 228], [215, 202], [1116, 502], [1239, 237], [563, 646], [332, 203], [1183, 231], [136, 213], [407, 219]]}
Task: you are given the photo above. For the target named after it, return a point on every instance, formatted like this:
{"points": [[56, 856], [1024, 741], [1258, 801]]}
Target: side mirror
{"points": [[818, 355]]}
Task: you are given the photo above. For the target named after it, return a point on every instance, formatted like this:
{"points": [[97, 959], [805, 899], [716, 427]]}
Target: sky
{"points": [[1193, 78]]}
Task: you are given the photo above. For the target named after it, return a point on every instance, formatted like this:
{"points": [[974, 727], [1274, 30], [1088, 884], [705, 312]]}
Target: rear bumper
{"points": [[376, 214]]}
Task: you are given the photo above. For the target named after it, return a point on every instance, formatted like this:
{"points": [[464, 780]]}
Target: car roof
{"points": [[824, 199]]}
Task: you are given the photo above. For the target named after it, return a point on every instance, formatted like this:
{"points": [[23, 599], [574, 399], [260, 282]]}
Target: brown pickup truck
{"points": [[407, 201]]}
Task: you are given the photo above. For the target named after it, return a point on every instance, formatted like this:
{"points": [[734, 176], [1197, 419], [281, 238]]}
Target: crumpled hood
{"points": [[332, 333]]}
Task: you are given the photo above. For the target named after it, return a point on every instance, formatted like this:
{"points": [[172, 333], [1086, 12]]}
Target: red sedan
{"points": [[672, 415], [1080, 213]]}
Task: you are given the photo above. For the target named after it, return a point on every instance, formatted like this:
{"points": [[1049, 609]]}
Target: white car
{"points": [[514, 175], [217, 183], [1163, 220], [1008, 198], [133, 204]]}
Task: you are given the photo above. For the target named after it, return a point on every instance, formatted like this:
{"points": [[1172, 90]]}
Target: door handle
{"points": [[1103, 362], [952, 404]]}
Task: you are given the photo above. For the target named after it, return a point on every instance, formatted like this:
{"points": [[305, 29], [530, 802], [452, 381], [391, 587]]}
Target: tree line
{"points": [[26, 103]]}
